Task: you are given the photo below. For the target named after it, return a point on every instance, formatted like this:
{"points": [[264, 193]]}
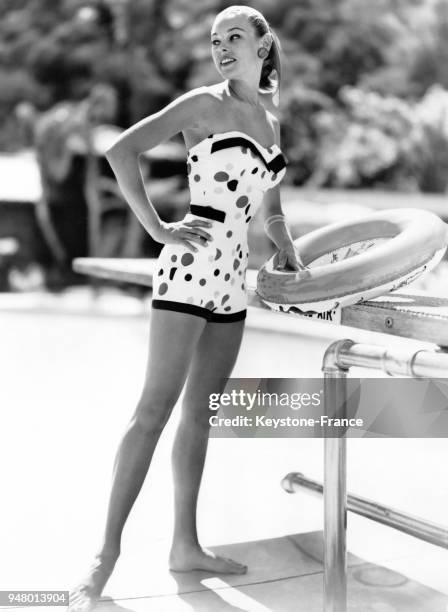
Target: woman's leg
{"points": [[213, 361], [173, 338]]}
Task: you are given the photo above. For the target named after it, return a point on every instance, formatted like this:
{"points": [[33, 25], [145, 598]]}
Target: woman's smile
{"points": [[226, 62]]}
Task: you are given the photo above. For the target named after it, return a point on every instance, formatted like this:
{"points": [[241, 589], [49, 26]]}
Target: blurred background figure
{"points": [[68, 163], [26, 114]]}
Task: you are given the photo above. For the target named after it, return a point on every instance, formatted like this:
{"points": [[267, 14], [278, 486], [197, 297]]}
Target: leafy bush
{"points": [[354, 72], [382, 140]]}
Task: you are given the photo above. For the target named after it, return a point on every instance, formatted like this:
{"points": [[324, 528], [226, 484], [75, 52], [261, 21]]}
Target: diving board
{"points": [[419, 317]]}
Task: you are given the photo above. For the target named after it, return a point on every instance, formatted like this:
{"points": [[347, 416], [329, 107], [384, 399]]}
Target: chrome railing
{"points": [[338, 358]]}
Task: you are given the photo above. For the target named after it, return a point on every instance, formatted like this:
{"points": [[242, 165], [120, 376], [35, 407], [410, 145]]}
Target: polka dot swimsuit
{"points": [[228, 173]]}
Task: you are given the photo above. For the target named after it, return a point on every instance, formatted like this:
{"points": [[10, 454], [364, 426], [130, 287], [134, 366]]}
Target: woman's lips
{"points": [[227, 64]]}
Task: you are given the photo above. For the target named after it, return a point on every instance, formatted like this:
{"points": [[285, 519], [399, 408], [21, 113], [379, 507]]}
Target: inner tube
{"points": [[353, 261]]}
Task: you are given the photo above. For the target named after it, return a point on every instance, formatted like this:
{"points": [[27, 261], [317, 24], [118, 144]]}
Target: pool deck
{"points": [[70, 381], [286, 575]]}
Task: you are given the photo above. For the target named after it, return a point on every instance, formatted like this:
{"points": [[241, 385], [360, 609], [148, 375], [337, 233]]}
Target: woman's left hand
{"points": [[289, 258]]}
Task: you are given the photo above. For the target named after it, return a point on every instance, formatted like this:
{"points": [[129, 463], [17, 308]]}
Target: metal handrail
{"points": [[386, 515], [337, 360]]}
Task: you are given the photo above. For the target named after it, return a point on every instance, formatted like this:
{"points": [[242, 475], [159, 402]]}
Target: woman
{"points": [[199, 298]]}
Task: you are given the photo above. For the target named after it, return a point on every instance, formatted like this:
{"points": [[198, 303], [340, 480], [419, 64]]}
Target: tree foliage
{"points": [[157, 49]]}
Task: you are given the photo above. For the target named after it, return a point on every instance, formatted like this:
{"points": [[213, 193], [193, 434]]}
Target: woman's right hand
{"points": [[185, 233]]}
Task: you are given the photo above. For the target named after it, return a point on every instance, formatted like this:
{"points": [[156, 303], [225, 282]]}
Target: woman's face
{"points": [[234, 38]]}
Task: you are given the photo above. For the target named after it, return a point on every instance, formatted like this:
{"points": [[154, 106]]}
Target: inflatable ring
{"points": [[353, 261]]}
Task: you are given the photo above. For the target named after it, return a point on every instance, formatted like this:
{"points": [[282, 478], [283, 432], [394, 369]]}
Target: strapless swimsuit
{"points": [[228, 174]]}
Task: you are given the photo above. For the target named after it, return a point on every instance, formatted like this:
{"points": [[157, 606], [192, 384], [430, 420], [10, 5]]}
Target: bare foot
{"points": [[84, 596], [196, 558]]}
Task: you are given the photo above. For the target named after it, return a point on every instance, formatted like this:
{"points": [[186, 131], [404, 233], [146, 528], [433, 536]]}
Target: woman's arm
{"points": [[124, 155], [275, 224], [278, 231], [275, 221]]}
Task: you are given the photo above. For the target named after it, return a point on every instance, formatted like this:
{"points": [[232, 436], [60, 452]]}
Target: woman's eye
{"points": [[231, 36]]}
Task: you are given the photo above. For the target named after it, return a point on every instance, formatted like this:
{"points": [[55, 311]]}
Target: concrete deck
{"points": [[285, 576], [69, 385]]}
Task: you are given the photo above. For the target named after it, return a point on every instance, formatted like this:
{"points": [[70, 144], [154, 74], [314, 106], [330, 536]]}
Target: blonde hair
{"points": [[272, 63]]}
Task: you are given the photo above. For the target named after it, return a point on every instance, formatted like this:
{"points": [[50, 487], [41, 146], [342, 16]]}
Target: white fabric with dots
{"points": [[230, 172]]}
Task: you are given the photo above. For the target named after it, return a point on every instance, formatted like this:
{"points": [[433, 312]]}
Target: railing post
{"points": [[335, 483]]}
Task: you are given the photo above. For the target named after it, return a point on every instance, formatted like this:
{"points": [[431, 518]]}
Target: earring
{"points": [[262, 53]]}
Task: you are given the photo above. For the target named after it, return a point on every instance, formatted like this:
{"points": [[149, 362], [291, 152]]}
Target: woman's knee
{"points": [[152, 415], [196, 415]]}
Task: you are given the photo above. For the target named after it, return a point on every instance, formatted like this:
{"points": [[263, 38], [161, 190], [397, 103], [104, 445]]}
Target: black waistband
{"points": [[208, 212]]}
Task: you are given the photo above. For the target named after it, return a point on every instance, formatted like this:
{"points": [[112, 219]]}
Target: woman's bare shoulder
{"points": [[180, 114], [211, 97], [208, 115], [208, 101]]}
